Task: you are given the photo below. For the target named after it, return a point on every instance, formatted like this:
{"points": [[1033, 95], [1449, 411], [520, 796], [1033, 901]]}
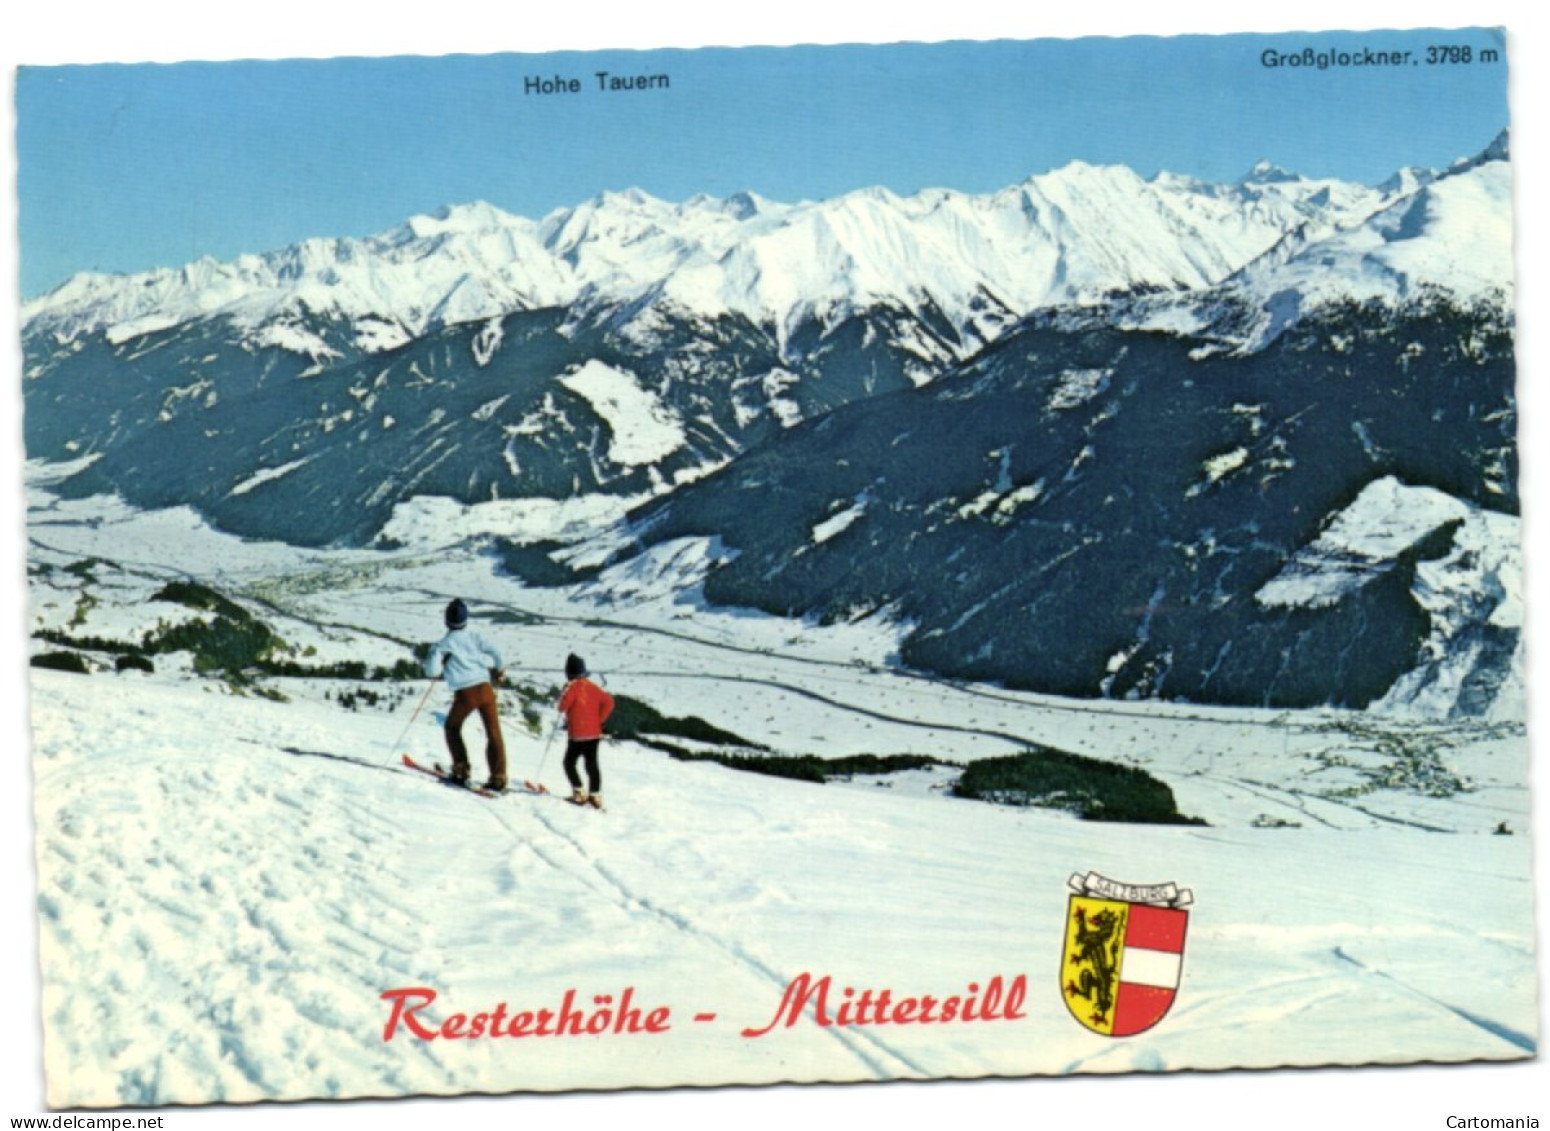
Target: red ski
{"points": [[446, 779]]}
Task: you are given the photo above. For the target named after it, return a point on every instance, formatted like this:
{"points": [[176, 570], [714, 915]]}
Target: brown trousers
{"points": [[480, 698]]}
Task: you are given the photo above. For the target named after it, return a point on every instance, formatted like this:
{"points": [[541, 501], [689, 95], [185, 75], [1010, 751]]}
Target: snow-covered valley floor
{"points": [[231, 877]]}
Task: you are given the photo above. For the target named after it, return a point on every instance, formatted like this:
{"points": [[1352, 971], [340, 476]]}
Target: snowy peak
{"points": [[1267, 173], [1406, 181], [1422, 236], [1499, 150], [451, 220]]}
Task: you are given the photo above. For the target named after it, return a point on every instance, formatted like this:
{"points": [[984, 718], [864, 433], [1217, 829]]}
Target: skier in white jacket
{"points": [[468, 662]]}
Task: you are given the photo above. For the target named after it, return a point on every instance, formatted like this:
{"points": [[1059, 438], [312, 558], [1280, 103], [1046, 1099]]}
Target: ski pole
{"points": [[538, 777], [418, 708]]}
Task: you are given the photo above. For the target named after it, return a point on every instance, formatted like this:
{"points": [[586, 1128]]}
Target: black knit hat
{"points": [[575, 666], [457, 614]]}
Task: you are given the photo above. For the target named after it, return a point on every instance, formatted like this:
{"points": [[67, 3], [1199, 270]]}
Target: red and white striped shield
{"points": [[1124, 953]]}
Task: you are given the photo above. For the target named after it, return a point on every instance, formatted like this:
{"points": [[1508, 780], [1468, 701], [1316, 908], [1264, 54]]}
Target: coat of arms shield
{"points": [[1124, 953]]}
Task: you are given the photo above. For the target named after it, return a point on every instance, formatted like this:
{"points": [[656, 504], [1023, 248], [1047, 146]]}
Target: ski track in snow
{"points": [[852, 1042], [865, 1046], [1521, 1040]]}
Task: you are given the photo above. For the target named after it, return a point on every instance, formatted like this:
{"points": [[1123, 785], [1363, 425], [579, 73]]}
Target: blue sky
{"points": [[121, 168]]}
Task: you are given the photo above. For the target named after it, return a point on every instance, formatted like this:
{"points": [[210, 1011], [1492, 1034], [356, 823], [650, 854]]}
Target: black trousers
{"points": [[583, 750]]}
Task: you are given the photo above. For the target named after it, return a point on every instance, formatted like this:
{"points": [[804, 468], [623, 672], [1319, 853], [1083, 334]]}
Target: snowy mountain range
{"points": [[1073, 235], [941, 386]]}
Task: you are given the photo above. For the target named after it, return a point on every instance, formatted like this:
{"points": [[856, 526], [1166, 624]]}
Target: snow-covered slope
{"points": [[1472, 662], [232, 875], [222, 928]]}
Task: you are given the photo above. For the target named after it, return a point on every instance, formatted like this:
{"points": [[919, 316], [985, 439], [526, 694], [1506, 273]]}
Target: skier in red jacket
{"points": [[585, 705]]}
